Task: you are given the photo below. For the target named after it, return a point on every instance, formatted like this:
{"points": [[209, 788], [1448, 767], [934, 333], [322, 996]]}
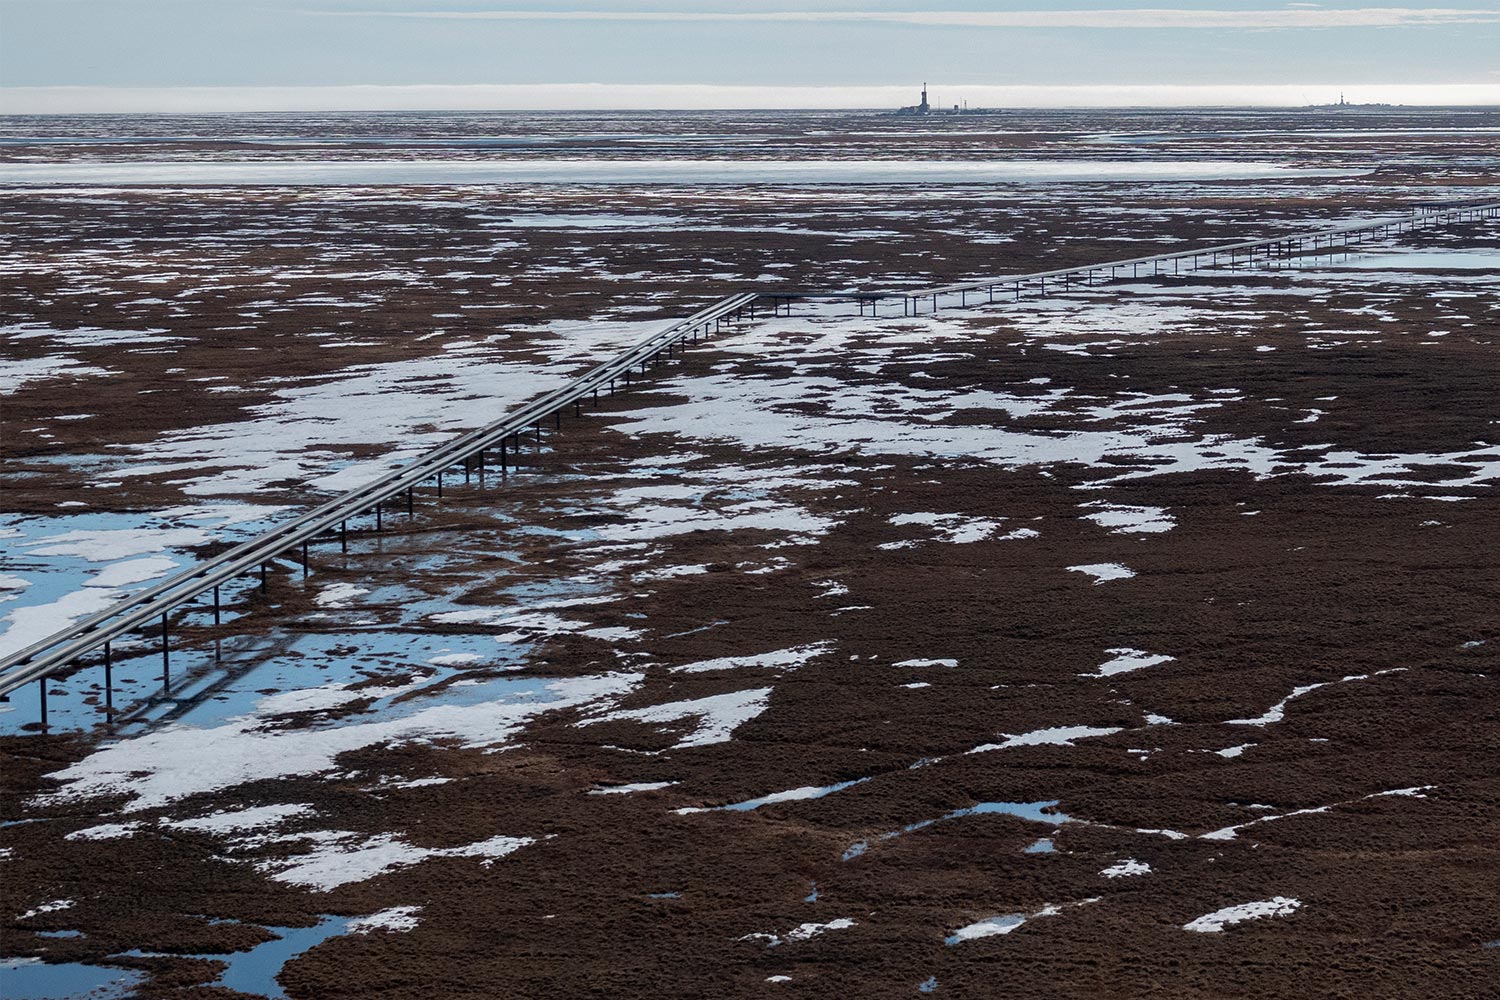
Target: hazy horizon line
{"points": [[1170, 18], [717, 97]]}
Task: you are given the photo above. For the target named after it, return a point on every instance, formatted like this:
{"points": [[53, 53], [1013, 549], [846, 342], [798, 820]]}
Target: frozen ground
{"points": [[1140, 634]]}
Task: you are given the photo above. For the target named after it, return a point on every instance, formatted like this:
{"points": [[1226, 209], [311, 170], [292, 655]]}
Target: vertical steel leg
{"points": [[109, 682], [304, 559], [41, 686], [344, 537], [166, 663]]}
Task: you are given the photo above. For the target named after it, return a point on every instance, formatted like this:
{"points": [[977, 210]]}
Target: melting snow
{"points": [[640, 786], [1213, 923], [953, 528], [396, 918], [1103, 572], [1054, 736], [718, 715], [992, 926], [810, 930], [338, 595], [52, 907], [123, 574], [106, 831], [1277, 712], [1126, 869], [235, 820], [340, 857], [1121, 519], [1126, 660], [791, 795], [781, 659]]}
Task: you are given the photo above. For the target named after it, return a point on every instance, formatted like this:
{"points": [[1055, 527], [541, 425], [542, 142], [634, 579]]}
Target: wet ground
{"points": [[1139, 641]]}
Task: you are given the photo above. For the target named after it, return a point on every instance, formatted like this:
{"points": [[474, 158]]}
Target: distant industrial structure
{"points": [[918, 109], [924, 108], [1345, 105]]}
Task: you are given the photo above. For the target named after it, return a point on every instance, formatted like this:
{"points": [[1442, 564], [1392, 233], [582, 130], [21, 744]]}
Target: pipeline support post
{"points": [[166, 671], [109, 682]]}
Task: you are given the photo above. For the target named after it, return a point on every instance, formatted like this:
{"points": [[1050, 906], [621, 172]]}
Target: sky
{"points": [[207, 55]]}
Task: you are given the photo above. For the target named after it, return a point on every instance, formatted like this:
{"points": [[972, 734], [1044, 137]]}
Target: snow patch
{"points": [[1104, 572], [1125, 660], [396, 918], [106, 831], [1122, 519], [1215, 922], [341, 858], [780, 659], [718, 715], [338, 595], [639, 786], [1062, 736]]}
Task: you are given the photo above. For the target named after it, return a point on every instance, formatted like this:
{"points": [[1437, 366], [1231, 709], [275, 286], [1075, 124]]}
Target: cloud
{"points": [[1283, 18], [597, 96]]}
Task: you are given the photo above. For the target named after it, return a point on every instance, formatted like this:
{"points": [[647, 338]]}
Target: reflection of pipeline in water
{"points": [[244, 654], [123, 702], [233, 659]]}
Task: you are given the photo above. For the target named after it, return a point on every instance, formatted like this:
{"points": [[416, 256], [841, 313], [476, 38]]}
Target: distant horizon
{"points": [[205, 56], [599, 97]]}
